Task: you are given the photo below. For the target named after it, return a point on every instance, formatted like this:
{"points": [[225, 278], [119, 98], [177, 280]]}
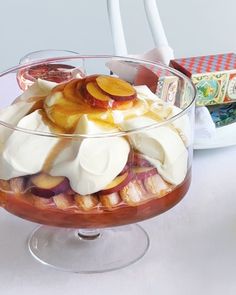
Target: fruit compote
{"points": [[138, 200], [152, 172]]}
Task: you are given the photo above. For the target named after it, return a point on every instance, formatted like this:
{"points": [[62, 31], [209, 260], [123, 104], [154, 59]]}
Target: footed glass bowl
{"points": [[104, 145]]}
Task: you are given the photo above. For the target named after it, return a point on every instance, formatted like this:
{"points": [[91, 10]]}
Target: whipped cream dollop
{"points": [[22, 106], [25, 153], [12, 115], [95, 161], [165, 111], [40, 88], [162, 146]]}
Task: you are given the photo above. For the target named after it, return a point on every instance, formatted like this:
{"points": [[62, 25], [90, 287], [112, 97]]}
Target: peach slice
{"points": [[133, 193], [65, 117], [87, 202], [63, 201], [46, 186], [61, 111], [96, 97], [90, 78], [72, 90], [117, 184], [118, 89], [156, 185], [144, 172], [111, 200]]}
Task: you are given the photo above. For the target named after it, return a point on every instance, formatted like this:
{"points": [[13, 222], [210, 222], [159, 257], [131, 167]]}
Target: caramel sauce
{"points": [[37, 105], [52, 126], [73, 105], [63, 116], [36, 99], [57, 149]]}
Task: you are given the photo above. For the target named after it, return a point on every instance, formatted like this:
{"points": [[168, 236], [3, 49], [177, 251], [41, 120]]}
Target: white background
{"points": [[193, 27]]}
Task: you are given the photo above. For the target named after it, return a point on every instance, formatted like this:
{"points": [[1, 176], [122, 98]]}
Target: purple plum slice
{"points": [[46, 186]]}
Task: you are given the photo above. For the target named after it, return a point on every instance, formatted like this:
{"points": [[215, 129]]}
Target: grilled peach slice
{"points": [[46, 186], [63, 112], [116, 88], [96, 97], [65, 116], [71, 88], [118, 183]]}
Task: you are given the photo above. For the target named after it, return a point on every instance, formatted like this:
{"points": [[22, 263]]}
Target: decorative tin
{"points": [[214, 77]]}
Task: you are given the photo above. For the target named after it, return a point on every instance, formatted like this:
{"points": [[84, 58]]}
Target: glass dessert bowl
{"points": [[109, 146]]}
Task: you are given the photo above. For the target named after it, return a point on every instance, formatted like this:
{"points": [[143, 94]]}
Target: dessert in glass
{"points": [[89, 157]]}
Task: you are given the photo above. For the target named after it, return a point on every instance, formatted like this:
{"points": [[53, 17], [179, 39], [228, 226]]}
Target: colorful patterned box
{"points": [[223, 115], [167, 88], [161, 81], [214, 77]]}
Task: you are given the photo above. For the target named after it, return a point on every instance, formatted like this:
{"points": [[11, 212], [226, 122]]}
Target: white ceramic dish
{"points": [[224, 136]]}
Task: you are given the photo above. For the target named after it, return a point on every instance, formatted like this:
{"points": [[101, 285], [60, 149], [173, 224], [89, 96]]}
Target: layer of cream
{"points": [[162, 146], [92, 163], [24, 153], [22, 106]]}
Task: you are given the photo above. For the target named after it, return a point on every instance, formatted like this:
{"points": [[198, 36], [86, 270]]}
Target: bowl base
{"points": [[88, 251]]}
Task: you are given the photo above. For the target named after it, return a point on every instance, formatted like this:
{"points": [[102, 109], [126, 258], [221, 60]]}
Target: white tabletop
{"points": [[193, 245]]}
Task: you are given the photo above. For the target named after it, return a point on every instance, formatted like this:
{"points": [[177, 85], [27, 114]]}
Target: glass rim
{"points": [[102, 135], [27, 55]]}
